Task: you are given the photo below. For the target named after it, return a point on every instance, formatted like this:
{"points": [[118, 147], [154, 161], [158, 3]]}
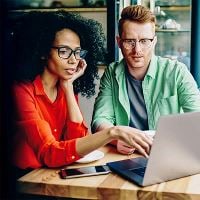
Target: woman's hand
{"points": [[68, 84], [80, 70], [74, 112], [134, 138]]}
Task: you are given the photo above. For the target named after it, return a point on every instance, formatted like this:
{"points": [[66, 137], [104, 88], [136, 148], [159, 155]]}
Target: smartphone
{"points": [[84, 171]]}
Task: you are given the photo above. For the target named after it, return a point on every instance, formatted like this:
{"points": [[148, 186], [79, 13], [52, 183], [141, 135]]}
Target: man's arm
{"points": [[103, 113], [189, 94]]}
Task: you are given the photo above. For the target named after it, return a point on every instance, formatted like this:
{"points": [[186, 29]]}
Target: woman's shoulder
{"points": [[29, 86], [23, 87]]}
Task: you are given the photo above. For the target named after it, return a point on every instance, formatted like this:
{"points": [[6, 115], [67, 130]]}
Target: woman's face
{"points": [[60, 63]]}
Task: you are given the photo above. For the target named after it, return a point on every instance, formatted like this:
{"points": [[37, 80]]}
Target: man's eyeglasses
{"points": [[145, 43], [65, 52]]}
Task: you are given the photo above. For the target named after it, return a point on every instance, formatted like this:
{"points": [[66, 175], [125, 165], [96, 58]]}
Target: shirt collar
{"points": [[152, 67], [121, 68]]}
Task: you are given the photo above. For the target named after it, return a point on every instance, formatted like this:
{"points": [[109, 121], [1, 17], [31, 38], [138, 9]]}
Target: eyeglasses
{"points": [[65, 52], [145, 43]]}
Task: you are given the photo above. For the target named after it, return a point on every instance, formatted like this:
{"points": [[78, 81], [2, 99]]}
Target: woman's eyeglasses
{"points": [[65, 52]]}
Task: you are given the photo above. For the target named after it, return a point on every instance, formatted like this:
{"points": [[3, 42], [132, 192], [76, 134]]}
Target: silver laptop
{"points": [[175, 152]]}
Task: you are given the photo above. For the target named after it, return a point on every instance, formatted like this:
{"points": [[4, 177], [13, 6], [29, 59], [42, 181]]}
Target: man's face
{"points": [[137, 44]]}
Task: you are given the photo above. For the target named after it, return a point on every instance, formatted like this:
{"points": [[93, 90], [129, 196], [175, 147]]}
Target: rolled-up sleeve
{"points": [[75, 130], [189, 94], [48, 151]]}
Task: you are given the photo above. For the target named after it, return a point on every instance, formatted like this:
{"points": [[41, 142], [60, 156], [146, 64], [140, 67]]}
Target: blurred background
{"points": [[21, 4]]}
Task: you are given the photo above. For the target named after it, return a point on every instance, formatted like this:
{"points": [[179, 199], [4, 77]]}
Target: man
{"points": [[141, 87]]}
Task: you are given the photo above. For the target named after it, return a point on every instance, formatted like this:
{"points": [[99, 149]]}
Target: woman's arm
{"points": [[67, 85], [133, 137], [37, 141], [38, 138], [73, 109]]}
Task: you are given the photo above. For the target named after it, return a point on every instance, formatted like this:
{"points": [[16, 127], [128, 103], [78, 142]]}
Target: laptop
{"points": [[175, 152]]}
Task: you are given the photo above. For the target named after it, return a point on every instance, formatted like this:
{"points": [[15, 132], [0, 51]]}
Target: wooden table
{"points": [[47, 182]]}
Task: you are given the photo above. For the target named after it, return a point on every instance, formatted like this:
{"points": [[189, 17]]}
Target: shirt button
{"points": [[73, 157], [55, 130]]}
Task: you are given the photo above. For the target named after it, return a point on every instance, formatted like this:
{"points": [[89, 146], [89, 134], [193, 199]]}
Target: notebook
{"points": [[175, 152]]}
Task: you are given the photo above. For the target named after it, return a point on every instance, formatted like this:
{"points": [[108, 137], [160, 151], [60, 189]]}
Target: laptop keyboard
{"points": [[139, 171]]}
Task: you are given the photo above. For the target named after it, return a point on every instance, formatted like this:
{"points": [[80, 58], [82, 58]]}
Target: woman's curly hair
{"points": [[34, 33]]}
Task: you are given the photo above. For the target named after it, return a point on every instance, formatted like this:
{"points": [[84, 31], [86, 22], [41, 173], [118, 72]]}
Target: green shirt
{"points": [[168, 88]]}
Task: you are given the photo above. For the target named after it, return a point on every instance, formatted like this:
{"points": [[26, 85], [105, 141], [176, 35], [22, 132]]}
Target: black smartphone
{"points": [[84, 171]]}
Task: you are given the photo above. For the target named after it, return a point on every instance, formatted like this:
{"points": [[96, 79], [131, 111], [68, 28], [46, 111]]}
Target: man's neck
{"points": [[138, 73]]}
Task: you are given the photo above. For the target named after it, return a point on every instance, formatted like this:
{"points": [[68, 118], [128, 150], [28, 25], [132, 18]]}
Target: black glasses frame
{"points": [[82, 52]]}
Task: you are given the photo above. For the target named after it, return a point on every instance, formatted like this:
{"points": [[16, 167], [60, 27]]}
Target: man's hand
{"points": [[123, 148]]}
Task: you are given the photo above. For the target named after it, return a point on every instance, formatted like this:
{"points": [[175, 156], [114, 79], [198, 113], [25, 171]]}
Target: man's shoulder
{"points": [[115, 66], [169, 64]]}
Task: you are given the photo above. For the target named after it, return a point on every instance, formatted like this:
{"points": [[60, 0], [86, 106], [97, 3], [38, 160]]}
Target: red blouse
{"points": [[45, 136]]}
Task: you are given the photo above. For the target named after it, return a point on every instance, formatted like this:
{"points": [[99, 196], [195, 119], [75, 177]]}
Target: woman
{"points": [[51, 60]]}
